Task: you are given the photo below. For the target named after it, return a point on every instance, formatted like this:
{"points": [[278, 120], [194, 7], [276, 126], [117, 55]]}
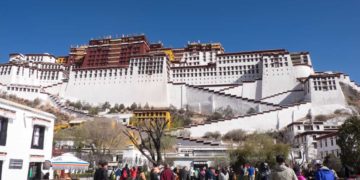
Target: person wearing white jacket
{"points": [[224, 175]]}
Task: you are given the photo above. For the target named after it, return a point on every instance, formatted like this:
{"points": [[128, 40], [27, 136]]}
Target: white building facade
{"points": [[25, 141], [327, 145], [305, 147], [267, 89], [45, 57]]}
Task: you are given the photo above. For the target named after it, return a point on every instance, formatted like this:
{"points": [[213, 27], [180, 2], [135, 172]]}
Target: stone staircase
{"points": [[227, 95], [266, 120], [56, 100]]}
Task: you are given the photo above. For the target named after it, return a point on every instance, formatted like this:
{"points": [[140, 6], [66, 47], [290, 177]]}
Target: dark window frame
{"points": [[41, 137], [3, 130]]}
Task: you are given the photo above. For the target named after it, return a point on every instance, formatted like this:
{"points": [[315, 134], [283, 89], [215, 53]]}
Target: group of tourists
{"points": [[245, 172]]}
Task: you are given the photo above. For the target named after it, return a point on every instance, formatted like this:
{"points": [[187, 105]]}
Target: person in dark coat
{"points": [[167, 173], [184, 174], [101, 171], [231, 174], [264, 171], [154, 173], [210, 174]]}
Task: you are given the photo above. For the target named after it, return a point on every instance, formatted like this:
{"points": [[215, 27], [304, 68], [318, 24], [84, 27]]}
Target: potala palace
{"points": [[278, 87]]}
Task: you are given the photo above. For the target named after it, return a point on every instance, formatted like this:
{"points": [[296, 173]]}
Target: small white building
{"points": [[298, 127], [26, 139], [197, 153], [305, 145], [123, 118], [133, 157], [327, 145], [44, 57]]}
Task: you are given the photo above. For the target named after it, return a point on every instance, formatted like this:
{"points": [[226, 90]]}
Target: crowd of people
{"points": [[245, 172]]}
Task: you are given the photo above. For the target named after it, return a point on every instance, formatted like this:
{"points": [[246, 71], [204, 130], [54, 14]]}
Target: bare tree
{"points": [[101, 136], [147, 137]]}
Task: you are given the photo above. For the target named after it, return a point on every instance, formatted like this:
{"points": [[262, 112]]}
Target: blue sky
{"points": [[328, 29]]}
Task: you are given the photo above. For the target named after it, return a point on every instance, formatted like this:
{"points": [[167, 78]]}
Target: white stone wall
{"points": [[176, 94], [325, 97], [303, 71], [252, 90], [24, 75], [204, 101], [55, 89], [277, 76], [19, 138], [127, 85], [235, 90], [5, 74], [346, 79], [287, 98], [115, 91], [271, 120]]}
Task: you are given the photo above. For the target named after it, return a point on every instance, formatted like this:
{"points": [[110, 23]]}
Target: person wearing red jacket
{"points": [[133, 173], [167, 173]]}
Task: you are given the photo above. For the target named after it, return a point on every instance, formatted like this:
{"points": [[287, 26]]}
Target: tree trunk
{"points": [[159, 156]]}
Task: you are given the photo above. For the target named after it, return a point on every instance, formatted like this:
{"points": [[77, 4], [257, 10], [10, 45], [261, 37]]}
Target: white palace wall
{"points": [[269, 120], [323, 95], [23, 75], [252, 89], [176, 95], [206, 101], [236, 90], [346, 80], [55, 89], [5, 73], [123, 90], [303, 70], [277, 77], [286, 98]]}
